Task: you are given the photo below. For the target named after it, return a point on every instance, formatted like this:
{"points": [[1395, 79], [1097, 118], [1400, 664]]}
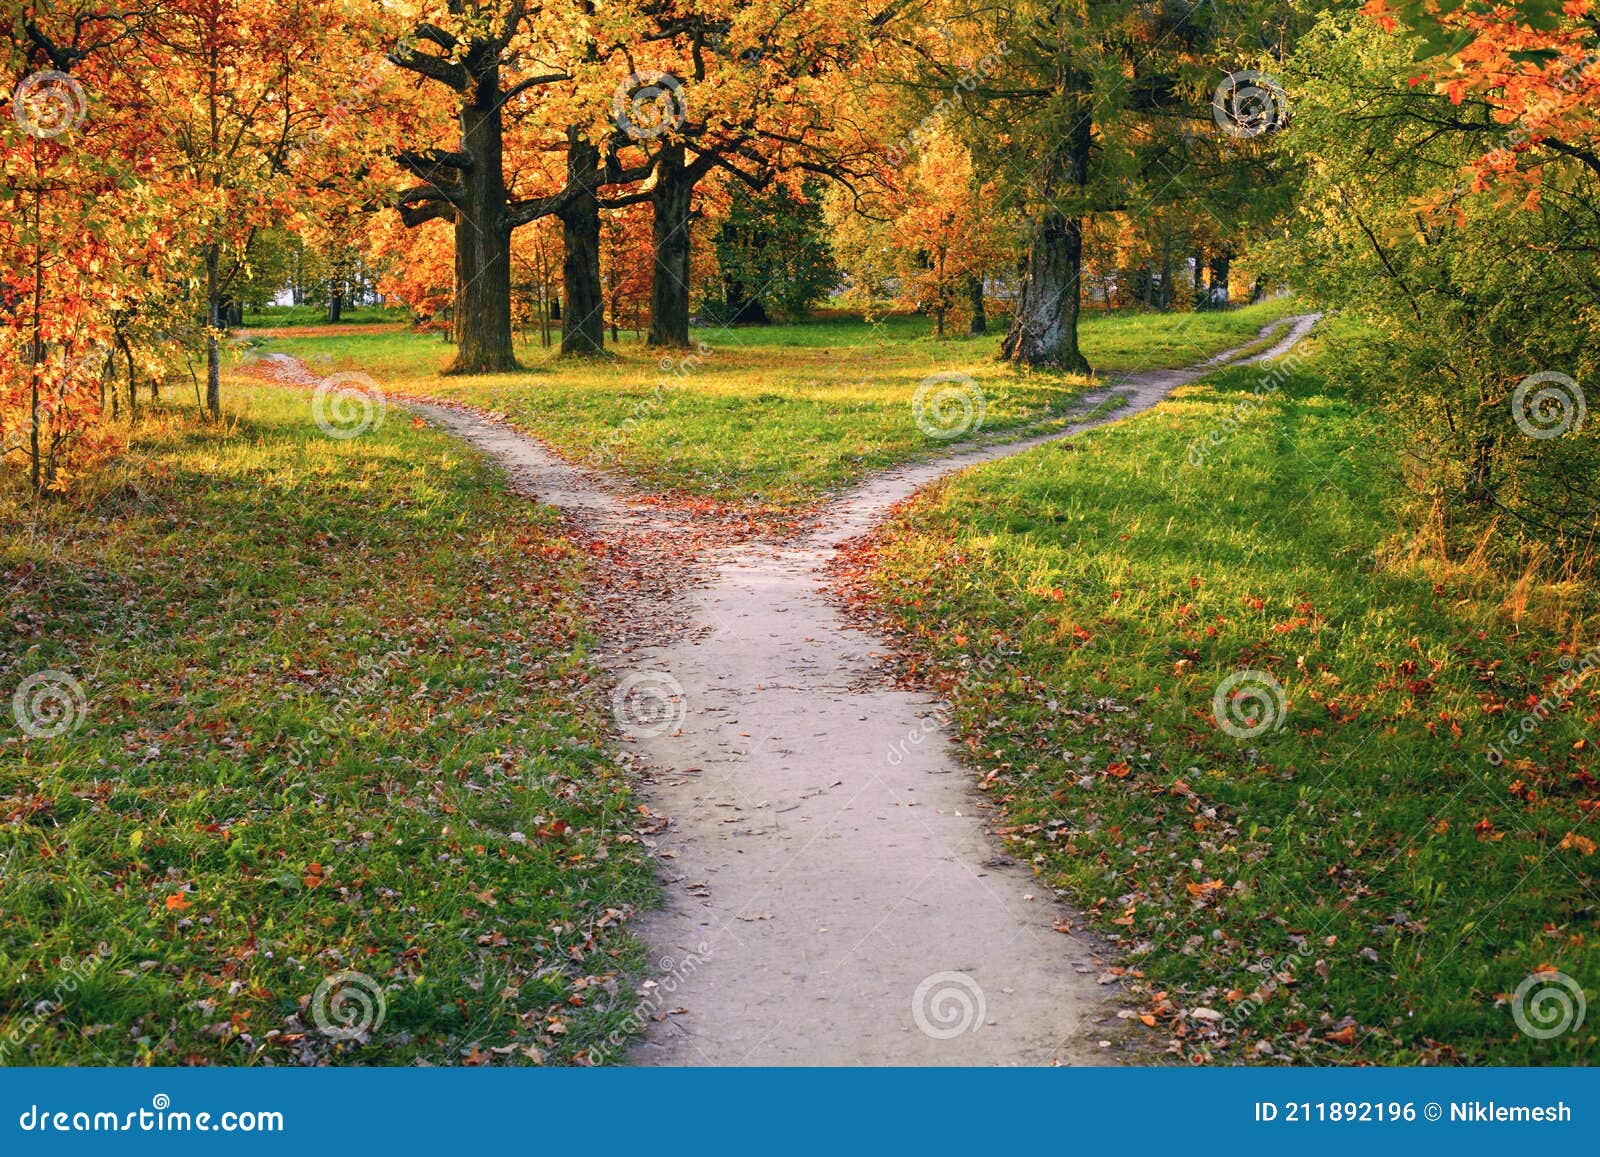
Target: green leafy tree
{"points": [[1481, 308], [773, 255]]}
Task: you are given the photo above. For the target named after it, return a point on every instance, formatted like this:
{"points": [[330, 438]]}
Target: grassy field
{"points": [[1341, 874], [317, 315], [324, 713], [774, 417]]}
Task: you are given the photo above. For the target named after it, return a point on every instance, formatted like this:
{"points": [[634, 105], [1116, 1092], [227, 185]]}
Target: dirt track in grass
{"points": [[834, 893]]}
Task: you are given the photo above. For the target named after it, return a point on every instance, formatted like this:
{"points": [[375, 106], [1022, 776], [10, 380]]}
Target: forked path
{"points": [[834, 895]]}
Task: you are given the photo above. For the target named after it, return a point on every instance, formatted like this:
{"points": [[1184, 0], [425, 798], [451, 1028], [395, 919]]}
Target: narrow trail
{"points": [[834, 895]]}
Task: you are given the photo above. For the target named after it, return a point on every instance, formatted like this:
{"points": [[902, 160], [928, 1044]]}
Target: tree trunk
{"points": [[583, 326], [463, 255], [671, 199], [335, 304], [213, 324], [1044, 329], [1164, 297], [738, 307], [980, 320], [1218, 297], [484, 344], [1479, 488]]}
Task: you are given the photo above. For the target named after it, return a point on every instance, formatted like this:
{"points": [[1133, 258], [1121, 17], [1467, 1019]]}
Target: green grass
{"points": [[773, 418], [326, 681], [1080, 604], [317, 315]]}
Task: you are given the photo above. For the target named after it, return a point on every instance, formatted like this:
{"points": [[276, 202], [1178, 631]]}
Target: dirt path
{"points": [[833, 893]]}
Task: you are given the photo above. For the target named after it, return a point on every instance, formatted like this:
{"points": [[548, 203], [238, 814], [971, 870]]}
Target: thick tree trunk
{"points": [[1044, 329], [980, 320], [483, 238], [583, 327], [335, 304], [671, 199]]}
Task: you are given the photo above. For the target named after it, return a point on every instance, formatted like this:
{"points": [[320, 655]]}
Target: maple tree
{"points": [[235, 91], [70, 251], [930, 238], [742, 88], [625, 235]]}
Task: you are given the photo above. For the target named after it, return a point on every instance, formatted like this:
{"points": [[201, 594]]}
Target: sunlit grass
{"points": [[1083, 604], [325, 681], [775, 416]]}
